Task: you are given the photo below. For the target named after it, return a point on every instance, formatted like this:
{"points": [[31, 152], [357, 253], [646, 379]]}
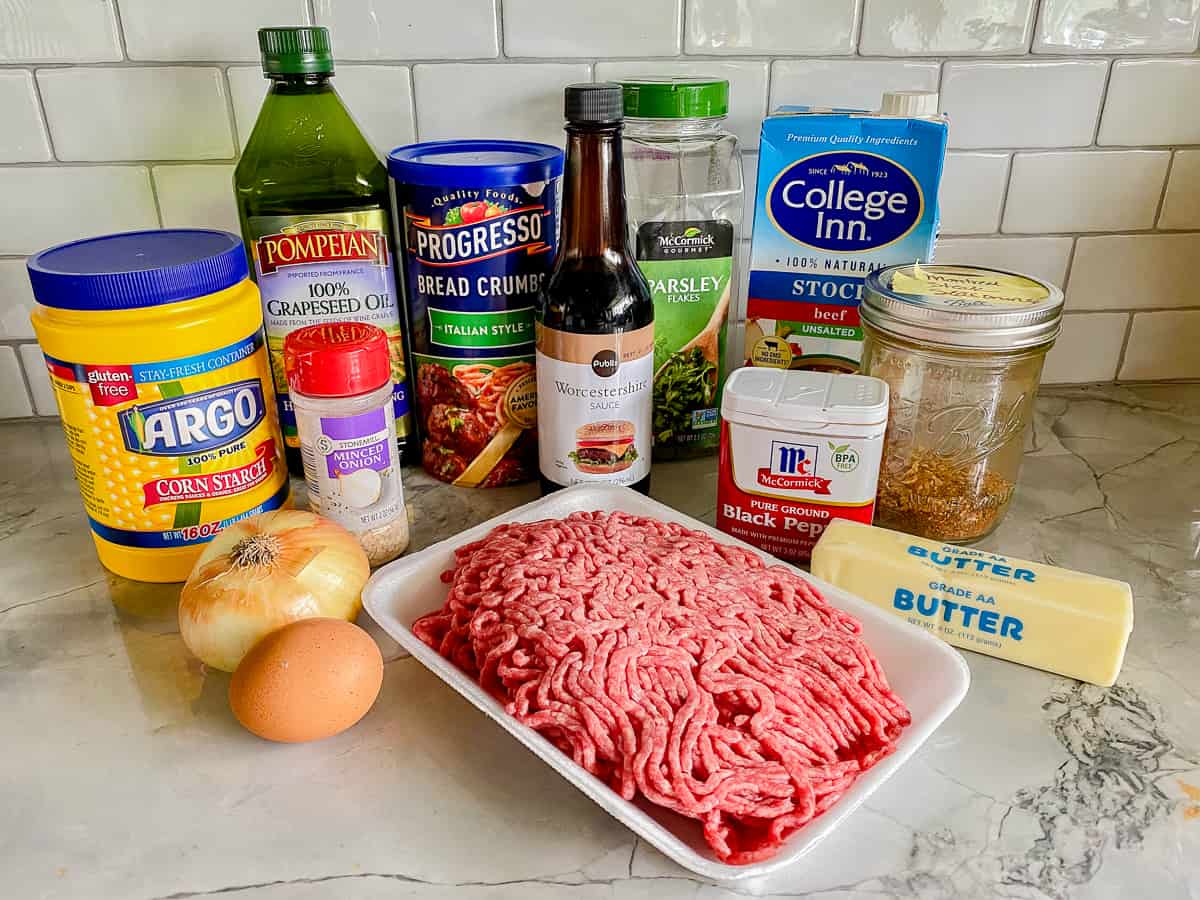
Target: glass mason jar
{"points": [[961, 349]]}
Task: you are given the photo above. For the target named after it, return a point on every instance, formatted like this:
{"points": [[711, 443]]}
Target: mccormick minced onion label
{"points": [[328, 267], [596, 390]]}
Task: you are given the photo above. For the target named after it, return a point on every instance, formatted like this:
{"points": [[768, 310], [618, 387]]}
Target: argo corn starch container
{"points": [[154, 345]]}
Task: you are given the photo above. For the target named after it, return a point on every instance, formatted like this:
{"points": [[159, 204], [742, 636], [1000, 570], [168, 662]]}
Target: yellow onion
{"points": [[263, 572]]}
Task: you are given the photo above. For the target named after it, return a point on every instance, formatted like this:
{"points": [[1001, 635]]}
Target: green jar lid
{"points": [[680, 97], [299, 50]]}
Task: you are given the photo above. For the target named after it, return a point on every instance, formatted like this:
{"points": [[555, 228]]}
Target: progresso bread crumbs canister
{"points": [[480, 229]]}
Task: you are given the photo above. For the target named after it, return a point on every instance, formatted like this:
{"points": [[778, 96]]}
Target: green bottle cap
{"points": [[299, 50], [676, 97]]}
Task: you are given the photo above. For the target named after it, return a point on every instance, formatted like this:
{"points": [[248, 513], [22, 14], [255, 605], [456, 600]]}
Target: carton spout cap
{"points": [[913, 104]]}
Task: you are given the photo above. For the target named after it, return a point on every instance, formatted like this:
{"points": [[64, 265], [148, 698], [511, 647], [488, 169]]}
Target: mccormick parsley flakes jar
{"points": [[480, 229], [961, 348], [154, 344]]}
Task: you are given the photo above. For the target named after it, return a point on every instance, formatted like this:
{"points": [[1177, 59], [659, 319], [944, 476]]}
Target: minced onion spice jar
{"points": [[340, 378], [961, 349]]}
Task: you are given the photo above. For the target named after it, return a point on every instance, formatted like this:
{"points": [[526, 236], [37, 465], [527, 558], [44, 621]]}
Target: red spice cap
{"points": [[337, 359]]}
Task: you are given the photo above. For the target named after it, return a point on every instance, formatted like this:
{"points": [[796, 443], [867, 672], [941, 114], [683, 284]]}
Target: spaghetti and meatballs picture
{"points": [[463, 409]]}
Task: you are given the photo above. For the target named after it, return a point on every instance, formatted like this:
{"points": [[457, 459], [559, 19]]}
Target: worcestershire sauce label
{"points": [[327, 267], [689, 266]]}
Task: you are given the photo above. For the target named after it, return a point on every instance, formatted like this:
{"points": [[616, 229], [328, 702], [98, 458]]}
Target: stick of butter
{"points": [[1031, 613]]}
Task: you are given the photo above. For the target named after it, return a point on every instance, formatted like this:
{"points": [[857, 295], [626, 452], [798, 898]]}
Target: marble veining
{"points": [[125, 775]]}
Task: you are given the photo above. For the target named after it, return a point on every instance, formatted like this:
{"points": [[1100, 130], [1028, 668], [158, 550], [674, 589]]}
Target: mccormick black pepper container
{"points": [[595, 318]]}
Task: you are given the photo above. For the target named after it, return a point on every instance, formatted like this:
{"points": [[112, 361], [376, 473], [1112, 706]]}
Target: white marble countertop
{"points": [[125, 776]]}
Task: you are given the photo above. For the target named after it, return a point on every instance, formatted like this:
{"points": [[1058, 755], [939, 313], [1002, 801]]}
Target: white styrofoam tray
{"points": [[928, 674]]}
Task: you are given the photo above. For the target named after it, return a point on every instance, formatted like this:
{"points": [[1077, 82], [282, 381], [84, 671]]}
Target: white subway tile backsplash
{"points": [[1022, 160], [509, 100], [972, 192], [196, 196], [1181, 204], [247, 88], [588, 28], [14, 399], [137, 113], [380, 100], [34, 364], [210, 30], [59, 31], [1152, 101], [750, 183], [22, 135], [857, 84], [378, 97], [1086, 190], [747, 87], [1162, 345], [16, 300], [936, 27], [1023, 104], [771, 26], [1123, 271], [45, 205], [1041, 257], [1116, 26], [447, 29], [1087, 349]]}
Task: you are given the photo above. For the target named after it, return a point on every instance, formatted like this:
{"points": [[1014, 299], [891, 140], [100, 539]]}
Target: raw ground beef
{"points": [[673, 666]]}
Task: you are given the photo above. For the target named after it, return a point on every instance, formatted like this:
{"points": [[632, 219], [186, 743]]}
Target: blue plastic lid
{"points": [[475, 163], [137, 269]]}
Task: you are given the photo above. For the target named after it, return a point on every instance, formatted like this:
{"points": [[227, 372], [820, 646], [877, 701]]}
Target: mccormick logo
{"points": [[465, 238], [180, 426], [691, 239], [320, 242], [791, 469], [845, 200]]}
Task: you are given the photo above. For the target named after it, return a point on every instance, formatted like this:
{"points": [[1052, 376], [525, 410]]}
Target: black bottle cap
{"points": [[599, 103]]}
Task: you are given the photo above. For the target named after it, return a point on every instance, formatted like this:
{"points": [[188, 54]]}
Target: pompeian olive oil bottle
{"points": [[595, 316], [313, 202]]}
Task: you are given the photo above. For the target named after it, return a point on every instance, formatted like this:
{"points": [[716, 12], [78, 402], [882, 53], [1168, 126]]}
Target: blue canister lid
{"points": [[475, 163], [137, 269]]}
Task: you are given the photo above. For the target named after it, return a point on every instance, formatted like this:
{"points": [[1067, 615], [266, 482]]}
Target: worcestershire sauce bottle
{"points": [[595, 316], [312, 198]]}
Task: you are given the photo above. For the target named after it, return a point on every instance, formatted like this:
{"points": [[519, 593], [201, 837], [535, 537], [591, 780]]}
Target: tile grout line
{"points": [[231, 114], [1124, 347], [498, 11], [412, 90], [683, 5], [1162, 197], [27, 381], [1108, 73], [1008, 173], [121, 31], [41, 104], [856, 48]]}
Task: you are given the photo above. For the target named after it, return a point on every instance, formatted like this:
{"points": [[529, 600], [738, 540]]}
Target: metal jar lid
{"points": [[962, 307]]}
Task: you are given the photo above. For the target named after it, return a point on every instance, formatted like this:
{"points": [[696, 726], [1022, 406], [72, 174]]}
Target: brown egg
{"points": [[308, 680]]}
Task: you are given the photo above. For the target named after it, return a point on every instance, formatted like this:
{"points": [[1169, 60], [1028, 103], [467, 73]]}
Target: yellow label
{"points": [[168, 453], [771, 352], [955, 286]]}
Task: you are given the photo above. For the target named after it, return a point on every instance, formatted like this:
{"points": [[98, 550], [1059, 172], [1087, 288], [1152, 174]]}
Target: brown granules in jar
{"points": [[935, 497]]}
